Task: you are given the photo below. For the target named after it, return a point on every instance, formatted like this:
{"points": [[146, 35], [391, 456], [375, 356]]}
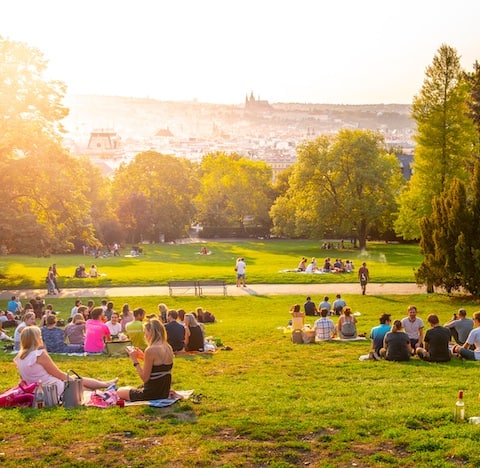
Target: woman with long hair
{"points": [[194, 338], [34, 363], [157, 365]]}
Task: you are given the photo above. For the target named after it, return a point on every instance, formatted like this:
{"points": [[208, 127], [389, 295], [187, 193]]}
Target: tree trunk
{"points": [[362, 235]]}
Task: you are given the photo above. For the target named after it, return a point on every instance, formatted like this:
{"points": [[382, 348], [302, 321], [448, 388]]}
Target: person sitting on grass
{"points": [[156, 372], [473, 339], [347, 325], [436, 342], [34, 363], [134, 329], [324, 327], [298, 318], [460, 326], [28, 320], [114, 326], [396, 344], [194, 338], [74, 332], [175, 332], [377, 335], [53, 336], [96, 332]]}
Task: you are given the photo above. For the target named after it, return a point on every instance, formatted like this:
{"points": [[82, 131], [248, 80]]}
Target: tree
{"points": [[450, 239], [153, 196], [445, 138], [234, 192], [340, 186], [31, 107]]}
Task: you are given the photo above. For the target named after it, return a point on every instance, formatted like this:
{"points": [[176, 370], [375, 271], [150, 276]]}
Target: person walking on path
{"points": [[240, 268], [363, 277]]}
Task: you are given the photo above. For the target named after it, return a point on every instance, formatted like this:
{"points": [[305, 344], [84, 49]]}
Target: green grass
{"points": [[162, 262], [267, 402]]}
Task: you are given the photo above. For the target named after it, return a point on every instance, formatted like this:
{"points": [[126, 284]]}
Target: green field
{"points": [[162, 262], [267, 402]]}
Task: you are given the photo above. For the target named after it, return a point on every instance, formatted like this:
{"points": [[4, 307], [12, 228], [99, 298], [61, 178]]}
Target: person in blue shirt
{"points": [[377, 334]]}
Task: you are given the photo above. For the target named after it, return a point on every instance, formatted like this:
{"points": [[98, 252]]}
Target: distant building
{"points": [[104, 143], [256, 105]]}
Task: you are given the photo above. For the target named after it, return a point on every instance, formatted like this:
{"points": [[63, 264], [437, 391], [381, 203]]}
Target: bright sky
{"points": [[217, 51]]}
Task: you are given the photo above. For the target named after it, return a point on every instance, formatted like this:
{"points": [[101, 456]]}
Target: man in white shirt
{"points": [[413, 326], [241, 268]]}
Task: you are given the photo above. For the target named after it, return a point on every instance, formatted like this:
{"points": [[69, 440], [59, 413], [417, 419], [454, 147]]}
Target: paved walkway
{"points": [[251, 290]]}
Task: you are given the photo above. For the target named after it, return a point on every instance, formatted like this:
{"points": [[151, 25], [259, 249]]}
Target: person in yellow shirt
{"points": [[134, 329]]}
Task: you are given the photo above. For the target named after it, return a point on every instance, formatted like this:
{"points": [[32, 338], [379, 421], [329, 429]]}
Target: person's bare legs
{"points": [[96, 384]]}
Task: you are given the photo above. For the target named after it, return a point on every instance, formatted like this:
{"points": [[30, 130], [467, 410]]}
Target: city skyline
{"points": [[343, 52]]}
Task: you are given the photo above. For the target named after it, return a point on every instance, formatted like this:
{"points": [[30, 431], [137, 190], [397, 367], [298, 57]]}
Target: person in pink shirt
{"points": [[97, 333]]}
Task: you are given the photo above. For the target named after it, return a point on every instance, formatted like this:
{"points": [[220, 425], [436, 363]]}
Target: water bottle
{"points": [[459, 408], [39, 396]]}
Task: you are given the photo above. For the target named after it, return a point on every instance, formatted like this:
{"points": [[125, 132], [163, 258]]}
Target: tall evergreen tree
{"points": [[445, 139]]}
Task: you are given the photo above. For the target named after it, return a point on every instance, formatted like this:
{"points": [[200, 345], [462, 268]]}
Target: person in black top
{"points": [[175, 332], [310, 307], [436, 341], [396, 344]]}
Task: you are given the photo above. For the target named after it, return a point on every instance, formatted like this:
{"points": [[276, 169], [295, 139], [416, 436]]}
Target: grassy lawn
{"points": [[267, 402], [163, 262]]}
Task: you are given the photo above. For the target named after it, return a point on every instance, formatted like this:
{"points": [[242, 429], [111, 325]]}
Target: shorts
{"points": [[240, 276]]}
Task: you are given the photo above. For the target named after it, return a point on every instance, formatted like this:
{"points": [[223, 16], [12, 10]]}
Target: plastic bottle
{"points": [[39, 396], [459, 408]]}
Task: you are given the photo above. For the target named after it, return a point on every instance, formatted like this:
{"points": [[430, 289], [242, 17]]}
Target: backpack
{"points": [[348, 329]]}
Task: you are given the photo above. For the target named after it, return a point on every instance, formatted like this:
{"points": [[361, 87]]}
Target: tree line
{"points": [[343, 185]]}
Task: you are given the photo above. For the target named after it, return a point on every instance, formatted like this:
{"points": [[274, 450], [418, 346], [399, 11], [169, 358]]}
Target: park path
{"points": [[251, 290]]}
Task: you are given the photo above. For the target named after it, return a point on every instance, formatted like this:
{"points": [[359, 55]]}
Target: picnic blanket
{"points": [[175, 395]]}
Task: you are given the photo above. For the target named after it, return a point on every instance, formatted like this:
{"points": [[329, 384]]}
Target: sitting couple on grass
{"points": [[346, 328]]}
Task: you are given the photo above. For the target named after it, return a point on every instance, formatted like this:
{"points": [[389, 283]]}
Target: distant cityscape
{"points": [[113, 130]]}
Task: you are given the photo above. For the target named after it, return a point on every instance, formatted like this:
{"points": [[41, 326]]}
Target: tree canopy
{"points": [[341, 186], [445, 139]]}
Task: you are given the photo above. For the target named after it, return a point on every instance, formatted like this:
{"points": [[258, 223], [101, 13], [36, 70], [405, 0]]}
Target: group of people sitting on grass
{"points": [[401, 339], [90, 327], [328, 266], [324, 327], [155, 339]]}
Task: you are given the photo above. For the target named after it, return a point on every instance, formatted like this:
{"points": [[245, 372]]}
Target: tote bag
{"points": [[72, 396]]}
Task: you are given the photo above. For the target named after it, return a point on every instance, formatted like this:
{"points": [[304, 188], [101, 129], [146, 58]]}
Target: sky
{"points": [[218, 51]]}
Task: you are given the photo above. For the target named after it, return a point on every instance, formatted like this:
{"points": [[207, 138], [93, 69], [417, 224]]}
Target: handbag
{"points": [[21, 395], [72, 395], [51, 394]]}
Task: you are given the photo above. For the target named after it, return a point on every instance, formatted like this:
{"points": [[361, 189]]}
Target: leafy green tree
{"points": [[31, 107], [340, 186], [445, 138], [234, 192], [153, 196]]}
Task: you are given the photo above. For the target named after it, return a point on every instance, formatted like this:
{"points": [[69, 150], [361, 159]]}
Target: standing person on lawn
{"points": [[363, 277], [240, 268]]}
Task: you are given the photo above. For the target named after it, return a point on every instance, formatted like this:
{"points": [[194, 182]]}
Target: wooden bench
{"points": [[217, 284], [185, 286]]}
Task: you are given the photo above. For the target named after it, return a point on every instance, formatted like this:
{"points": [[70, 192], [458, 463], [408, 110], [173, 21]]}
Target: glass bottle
{"points": [[459, 408], [39, 396]]}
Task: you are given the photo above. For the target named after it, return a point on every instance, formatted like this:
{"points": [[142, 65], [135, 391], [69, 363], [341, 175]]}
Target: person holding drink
{"points": [[155, 373]]}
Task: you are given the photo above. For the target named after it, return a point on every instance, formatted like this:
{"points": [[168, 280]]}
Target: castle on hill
{"points": [[255, 105]]}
